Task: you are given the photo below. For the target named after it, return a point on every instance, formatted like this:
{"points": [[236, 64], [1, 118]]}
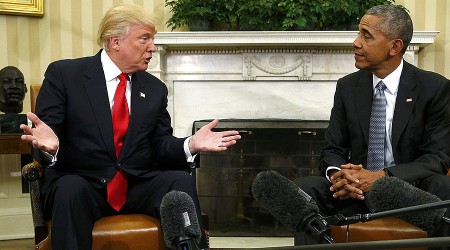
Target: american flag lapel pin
{"points": [[142, 95], [408, 99]]}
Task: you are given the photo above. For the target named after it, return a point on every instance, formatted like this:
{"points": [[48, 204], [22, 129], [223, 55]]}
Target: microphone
{"points": [[179, 221], [290, 205], [390, 193]]}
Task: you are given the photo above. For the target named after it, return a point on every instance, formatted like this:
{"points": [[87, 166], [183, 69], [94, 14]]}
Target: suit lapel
{"points": [[363, 101], [95, 86], [406, 100]]}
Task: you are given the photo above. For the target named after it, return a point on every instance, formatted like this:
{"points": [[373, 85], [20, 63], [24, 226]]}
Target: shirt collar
{"points": [[110, 69], [392, 80]]}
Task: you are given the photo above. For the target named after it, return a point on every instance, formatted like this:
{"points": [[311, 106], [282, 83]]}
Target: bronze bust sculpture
{"points": [[12, 94], [12, 90]]}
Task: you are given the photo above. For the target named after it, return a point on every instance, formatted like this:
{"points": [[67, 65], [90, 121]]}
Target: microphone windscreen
{"points": [[389, 193], [283, 199], [178, 218]]}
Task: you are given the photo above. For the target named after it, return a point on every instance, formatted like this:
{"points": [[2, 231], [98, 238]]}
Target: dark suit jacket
{"points": [[73, 101], [420, 128]]}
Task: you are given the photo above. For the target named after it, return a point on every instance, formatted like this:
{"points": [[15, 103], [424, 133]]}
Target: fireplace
{"points": [[282, 79], [258, 75], [290, 147]]}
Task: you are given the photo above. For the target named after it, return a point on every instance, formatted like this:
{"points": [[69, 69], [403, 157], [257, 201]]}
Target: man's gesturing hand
{"points": [[207, 140]]}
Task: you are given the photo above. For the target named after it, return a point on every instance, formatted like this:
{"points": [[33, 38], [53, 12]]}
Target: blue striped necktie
{"points": [[377, 130]]}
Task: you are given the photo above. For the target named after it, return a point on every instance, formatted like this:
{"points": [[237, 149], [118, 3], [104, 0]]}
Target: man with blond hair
{"points": [[101, 124]]}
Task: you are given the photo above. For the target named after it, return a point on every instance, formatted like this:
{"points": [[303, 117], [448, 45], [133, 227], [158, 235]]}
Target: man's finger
{"points": [[212, 124], [338, 185], [353, 189], [341, 193], [349, 176], [357, 196], [231, 136], [33, 118], [338, 175]]}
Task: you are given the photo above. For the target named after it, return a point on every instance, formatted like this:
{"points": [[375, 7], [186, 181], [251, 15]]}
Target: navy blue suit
{"points": [[73, 101], [420, 135], [420, 127]]}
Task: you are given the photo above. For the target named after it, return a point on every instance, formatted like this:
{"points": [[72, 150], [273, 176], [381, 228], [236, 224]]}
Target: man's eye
{"points": [[366, 35], [143, 39]]}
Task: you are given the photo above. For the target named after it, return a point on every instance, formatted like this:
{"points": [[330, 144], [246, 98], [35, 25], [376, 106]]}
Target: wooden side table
{"points": [[12, 144]]}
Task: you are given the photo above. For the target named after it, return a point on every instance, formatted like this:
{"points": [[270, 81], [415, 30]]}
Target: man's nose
{"points": [[152, 47], [356, 43]]}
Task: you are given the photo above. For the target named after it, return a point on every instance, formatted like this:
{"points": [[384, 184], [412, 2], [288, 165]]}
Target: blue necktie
{"points": [[377, 130]]}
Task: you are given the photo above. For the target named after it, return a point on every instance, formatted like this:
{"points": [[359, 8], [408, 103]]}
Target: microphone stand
{"points": [[339, 219], [186, 243], [316, 227]]}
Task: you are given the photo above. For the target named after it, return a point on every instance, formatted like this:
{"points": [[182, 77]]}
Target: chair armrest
{"points": [[33, 172]]}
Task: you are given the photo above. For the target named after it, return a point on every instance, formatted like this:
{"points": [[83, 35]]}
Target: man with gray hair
{"points": [[411, 137]]}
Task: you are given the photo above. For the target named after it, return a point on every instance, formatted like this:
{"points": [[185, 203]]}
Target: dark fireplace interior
{"points": [[224, 180]]}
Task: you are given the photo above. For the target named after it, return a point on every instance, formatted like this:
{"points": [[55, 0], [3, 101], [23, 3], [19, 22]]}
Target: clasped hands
{"points": [[352, 181]]}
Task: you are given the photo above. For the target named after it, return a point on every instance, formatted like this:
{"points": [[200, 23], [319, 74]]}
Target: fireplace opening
{"points": [[224, 179]]}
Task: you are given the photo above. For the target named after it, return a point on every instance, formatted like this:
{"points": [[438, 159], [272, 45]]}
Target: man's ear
{"points": [[396, 47], [114, 43]]}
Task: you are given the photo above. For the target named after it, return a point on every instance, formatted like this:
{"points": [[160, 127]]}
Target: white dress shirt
{"points": [[111, 77], [112, 81], [391, 81]]}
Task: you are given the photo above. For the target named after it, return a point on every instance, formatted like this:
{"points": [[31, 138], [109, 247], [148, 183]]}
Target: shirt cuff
{"points": [[189, 157], [51, 158], [331, 168]]}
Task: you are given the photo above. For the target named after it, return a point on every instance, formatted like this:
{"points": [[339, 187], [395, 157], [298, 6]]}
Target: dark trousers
{"points": [[75, 205], [319, 189]]}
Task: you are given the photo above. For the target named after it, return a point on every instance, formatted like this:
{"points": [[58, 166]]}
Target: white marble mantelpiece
{"points": [[271, 38], [256, 75]]}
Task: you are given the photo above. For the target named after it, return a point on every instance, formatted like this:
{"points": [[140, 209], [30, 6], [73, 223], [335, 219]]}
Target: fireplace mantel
{"points": [[256, 75], [271, 38], [189, 44]]}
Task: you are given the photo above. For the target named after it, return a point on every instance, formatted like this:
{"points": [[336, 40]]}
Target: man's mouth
{"points": [[359, 54]]}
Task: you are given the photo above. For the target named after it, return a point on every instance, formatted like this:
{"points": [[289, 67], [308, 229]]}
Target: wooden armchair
{"points": [[391, 228], [132, 231], [382, 229]]}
